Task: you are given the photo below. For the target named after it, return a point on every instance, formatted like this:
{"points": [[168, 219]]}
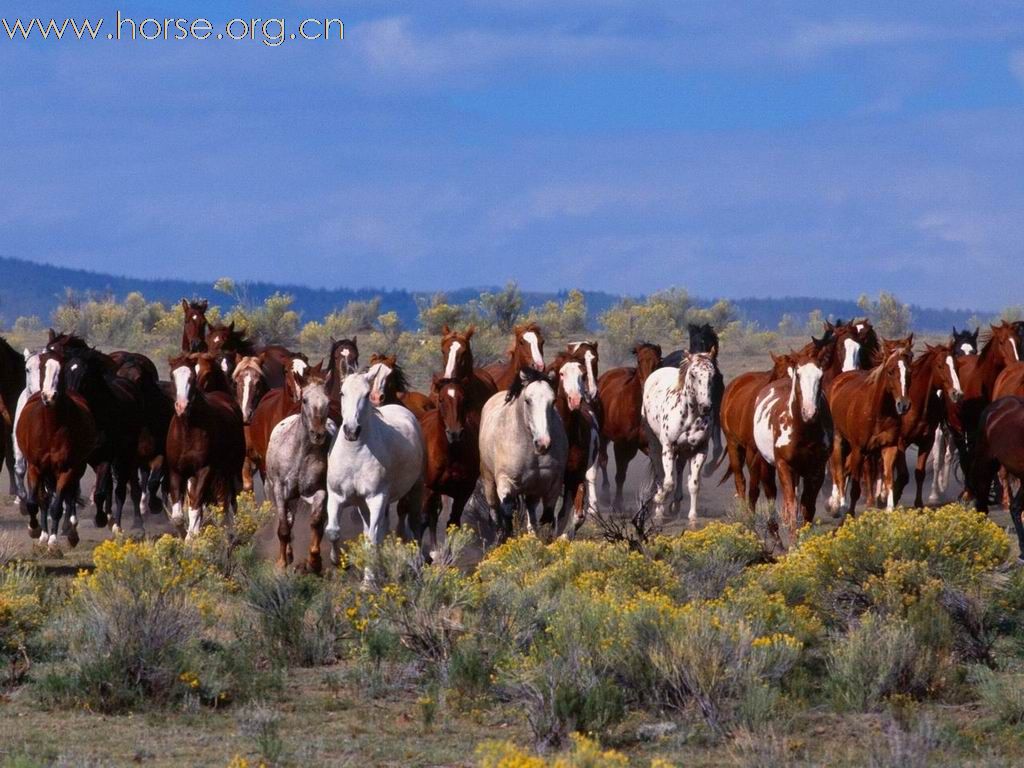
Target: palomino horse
{"points": [[378, 458], [677, 417], [390, 386], [933, 383], [205, 442], [573, 402], [963, 343], [12, 384], [527, 352], [458, 364], [451, 438], [791, 429], [118, 408], [867, 408], [56, 433], [342, 360], [193, 334], [999, 444], [621, 394], [704, 339], [523, 450], [297, 465]]}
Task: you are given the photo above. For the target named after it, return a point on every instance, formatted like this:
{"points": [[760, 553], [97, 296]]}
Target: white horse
{"points": [[33, 383], [676, 413], [377, 458], [523, 451]]}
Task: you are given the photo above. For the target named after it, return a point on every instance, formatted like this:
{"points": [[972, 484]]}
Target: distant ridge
{"points": [[28, 288]]}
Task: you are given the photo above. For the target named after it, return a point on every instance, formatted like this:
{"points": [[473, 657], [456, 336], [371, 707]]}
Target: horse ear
{"points": [[910, 340], [231, 327], [26, 354], [445, 330], [333, 341], [51, 336], [353, 341], [184, 304], [470, 331], [293, 385]]}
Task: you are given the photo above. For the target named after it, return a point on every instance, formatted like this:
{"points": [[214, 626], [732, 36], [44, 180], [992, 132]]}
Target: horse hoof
{"points": [[73, 538], [116, 529], [34, 531], [101, 520]]}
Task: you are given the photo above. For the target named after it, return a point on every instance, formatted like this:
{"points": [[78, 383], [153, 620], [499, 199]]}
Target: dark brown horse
{"points": [[621, 392], [12, 382], [999, 443], [527, 352], [583, 430], [450, 437], [193, 334], [224, 338], [792, 429], [342, 360], [57, 434], [867, 410], [457, 354], [205, 442]]}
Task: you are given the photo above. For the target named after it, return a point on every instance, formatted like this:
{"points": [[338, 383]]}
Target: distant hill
{"points": [[28, 288]]}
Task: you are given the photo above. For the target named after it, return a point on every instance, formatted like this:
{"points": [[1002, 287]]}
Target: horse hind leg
{"points": [[624, 454], [696, 464]]}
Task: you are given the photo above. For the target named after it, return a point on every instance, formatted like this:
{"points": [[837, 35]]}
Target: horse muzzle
{"points": [[453, 435], [902, 405], [47, 398], [376, 399], [542, 445], [318, 438], [351, 434], [180, 407], [574, 402], [956, 396]]}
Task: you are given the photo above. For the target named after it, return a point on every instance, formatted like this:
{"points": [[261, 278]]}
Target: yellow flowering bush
{"points": [[229, 550], [707, 560], [585, 753], [21, 616]]}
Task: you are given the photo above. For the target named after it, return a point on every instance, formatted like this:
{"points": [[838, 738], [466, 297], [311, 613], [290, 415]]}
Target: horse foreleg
{"points": [[430, 513], [663, 460], [696, 464], [625, 452], [333, 527], [856, 468], [174, 493], [197, 494], [375, 523], [277, 495], [32, 488], [812, 487], [100, 494], [602, 459], [119, 481], [920, 471], [409, 507], [837, 467], [937, 457], [317, 519], [785, 475], [890, 456], [736, 460]]}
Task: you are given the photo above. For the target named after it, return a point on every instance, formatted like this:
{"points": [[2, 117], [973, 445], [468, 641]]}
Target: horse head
{"points": [[943, 370], [250, 385], [224, 338], [387, 379], [586, 353], [450, 399], [455, 349], [897, 355], [184, 375], [703, 339], [572, 379], [535, 392], [51, 363], [806, 372], [193, 334], [648, 358], [33, 372], [528, 351], [355, 404], [781, 364], [315, 402], [965, 342], [696, 372]]}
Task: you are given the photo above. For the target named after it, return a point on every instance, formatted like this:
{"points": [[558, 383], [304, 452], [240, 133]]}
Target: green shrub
{"points": [[1002, 694], [22, 616], [708, 560]]}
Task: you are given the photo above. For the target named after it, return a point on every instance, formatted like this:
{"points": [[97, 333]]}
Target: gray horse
{"points": [[523, 450], [297, 465]]}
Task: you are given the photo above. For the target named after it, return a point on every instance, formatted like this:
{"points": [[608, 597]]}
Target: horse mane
{"points": [[702, 338], [523, 379]]}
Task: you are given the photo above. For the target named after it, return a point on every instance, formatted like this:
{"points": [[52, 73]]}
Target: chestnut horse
{"points": [[389, 386], [224, 338], [457, 355], [999, 443], [342, 360], [867, 409], [583, 431], [933, 383], [792, 432], [451, 434], [193, 334], [205, 442], [621, 393], [56, 433], [527, 352]]}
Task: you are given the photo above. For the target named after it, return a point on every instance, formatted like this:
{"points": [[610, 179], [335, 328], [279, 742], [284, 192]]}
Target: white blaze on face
{"points": [[378, 377], [588, 357], [449, 366], [531, 338], [299, 366], [451, 392], [354, 393], [571, 375], [1016, 352], [952, 373], [182, 382], [224, 364], [809, 376], [903, 377], [33, 375], [538, 398], [51, 373], [246, 393], [859, 327], [967, 349], [851, 361]]}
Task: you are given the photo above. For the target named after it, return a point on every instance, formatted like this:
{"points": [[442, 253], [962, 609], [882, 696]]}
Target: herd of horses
{"points": [[529, 434]]}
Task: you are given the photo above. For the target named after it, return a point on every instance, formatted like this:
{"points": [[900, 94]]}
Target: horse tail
{"points": [[727, 475]]}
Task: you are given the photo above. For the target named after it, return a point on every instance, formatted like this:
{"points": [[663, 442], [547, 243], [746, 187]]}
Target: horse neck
{"points": [[989, 366], [464, 365], [878, 389], [922, 384]]}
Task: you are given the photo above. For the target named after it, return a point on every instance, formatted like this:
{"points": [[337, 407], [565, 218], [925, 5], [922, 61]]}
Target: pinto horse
{"points": [[389, 386], [193, 334], [12, 383], [1000, 427], [342, 360], [205, 442], [792, 431], [451, 435], [573, 402], [56, 433], [867, 409], [621, 394], [933, 383], [527, 352]]}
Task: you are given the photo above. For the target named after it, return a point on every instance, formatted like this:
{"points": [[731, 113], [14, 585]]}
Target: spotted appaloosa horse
{"points": [[934, 383], [527, 352], [867, 408], [792, 433], [205, 442], [999, 444], [677, 418], [621, 394], [342, 360], [57, 434], [297, 465], [703, 338], [193, 334], [451, 434]]}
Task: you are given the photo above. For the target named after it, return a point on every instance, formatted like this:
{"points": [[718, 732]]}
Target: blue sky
{"points": [[734, 148]]}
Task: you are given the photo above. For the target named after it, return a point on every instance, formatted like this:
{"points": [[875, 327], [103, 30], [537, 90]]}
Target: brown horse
{"points": [[205, 442], [390, 386], [583, 430], [1011, 380], [12, 382], [527, 352], [450, 436], [867, 409], [457, 355], [224, 338], [250, 385], [57, 434], [342, 360], [193, 334], [999, 443], [621, 392], [791, 430], [933, 383]]}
